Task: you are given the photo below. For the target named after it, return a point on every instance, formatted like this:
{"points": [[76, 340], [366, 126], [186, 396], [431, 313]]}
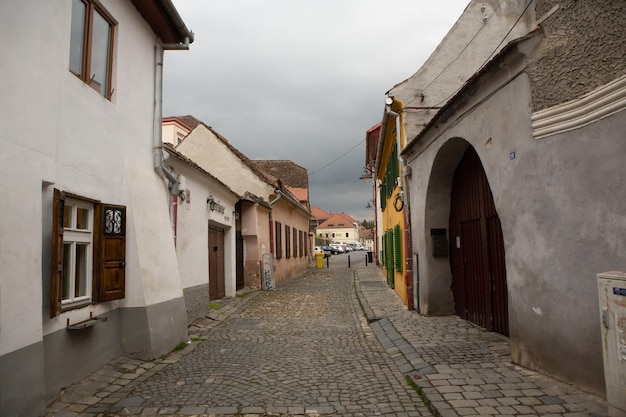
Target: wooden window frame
{"points": [[278, 239], [108, 254], [91, 7], [295, 243]]}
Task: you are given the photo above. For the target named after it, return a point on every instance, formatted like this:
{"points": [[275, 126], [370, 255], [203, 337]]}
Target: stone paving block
{"points": [[464, 403], [506, 410], [449, 388], [192, 410], [447, 413], [550, 399], [216, 410], [485, 411], [488, 402], [465, 411], [549, 408], [473, 395]]}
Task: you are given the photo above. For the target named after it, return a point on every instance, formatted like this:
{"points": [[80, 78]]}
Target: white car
{"points": [[338, 247]]}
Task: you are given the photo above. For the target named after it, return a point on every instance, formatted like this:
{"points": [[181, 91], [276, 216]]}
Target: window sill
{"points": [[82, 325]]}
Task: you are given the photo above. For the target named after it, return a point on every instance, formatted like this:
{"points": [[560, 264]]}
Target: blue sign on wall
{"points": [[619, 291]]}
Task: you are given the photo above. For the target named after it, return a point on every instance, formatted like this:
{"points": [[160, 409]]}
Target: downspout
{"points": [[408, 270], [279, 195], [159, 167]]}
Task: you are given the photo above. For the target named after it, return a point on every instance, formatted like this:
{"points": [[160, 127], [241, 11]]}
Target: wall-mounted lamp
{"points": [[212, 203], [366, 175], [369, 204]]}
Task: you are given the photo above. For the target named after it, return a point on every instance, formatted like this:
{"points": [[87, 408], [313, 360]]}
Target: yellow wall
{"points": [[390, 216]]}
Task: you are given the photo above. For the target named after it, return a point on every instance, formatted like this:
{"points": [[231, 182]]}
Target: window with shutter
{"points": [[278, 240], [397, 244], [112, 252], [88, 252]]}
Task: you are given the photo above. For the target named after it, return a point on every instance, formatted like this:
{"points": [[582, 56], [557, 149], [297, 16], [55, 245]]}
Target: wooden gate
{"points": [[217, 288], [477, 249]]}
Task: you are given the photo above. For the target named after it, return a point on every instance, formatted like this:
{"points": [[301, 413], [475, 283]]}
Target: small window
{"points": [[347, 235], [279, 243], [91, 45], [287, 241], [88, 252], [77, 252]]}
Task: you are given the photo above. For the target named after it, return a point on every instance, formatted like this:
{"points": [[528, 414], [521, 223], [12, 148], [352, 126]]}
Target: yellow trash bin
{"points": [[319, 260]]}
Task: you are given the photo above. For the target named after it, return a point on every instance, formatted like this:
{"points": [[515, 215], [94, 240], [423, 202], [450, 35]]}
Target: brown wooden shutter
{"points": [[110, 253], [56, 278]]}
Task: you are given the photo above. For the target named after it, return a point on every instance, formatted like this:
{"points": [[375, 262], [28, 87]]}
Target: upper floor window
{"points": [[91, 45]]}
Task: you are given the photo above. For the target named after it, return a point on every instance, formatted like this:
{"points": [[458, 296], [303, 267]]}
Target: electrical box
{"points": [[612, 298]]}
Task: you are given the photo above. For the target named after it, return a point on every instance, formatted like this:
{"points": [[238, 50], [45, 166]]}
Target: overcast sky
{"points": [[302, 80]]}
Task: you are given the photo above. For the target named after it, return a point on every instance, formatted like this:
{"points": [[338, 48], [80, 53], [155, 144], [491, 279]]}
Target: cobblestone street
{"points": [[303, 349], [331, 342]]}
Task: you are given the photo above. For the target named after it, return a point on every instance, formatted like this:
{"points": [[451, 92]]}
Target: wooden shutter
{"points": [[58, 208], [397, 245], [110, 252]]}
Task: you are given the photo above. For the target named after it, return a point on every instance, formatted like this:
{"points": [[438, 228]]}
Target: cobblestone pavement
{"points": [[462, 369], [303, 349], [307, 349]]}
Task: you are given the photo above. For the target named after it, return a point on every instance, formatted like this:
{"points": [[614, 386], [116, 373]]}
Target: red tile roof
{"points": [[338, 221]]}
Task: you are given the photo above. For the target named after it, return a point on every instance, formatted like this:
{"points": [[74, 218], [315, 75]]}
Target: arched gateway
{"points": [[477, 249]]}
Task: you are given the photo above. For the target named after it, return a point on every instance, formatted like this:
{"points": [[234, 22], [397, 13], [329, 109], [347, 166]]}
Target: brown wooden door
{"points": [[477, 249], [216, 263]]}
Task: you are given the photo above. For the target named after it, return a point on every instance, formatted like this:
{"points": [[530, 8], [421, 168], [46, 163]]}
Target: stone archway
{"points": [[477, 248], [435, 295]]}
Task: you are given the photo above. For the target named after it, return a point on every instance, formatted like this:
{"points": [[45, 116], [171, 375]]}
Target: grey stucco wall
{"points": [[584, 49], [196, 301], [71, 355], [149, 332], [560, 201], [23, 393]]}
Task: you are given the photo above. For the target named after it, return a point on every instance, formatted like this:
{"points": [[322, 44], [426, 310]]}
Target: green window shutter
{"points": [[398, 247], [388, 256]]}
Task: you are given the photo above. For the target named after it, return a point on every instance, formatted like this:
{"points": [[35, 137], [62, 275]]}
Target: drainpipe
{"points": [[159, 167], [178, 46], [408, 270], [279, 195]]}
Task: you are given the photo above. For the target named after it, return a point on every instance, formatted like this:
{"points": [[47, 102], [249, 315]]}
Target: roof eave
{"points": [[164, 20]]}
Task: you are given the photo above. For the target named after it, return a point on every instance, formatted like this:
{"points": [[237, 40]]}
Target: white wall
{"points": [[455, 59], [208, 151], [192, 228], [59, 133]]}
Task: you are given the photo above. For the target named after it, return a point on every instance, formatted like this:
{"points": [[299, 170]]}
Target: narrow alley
{"points": [[330, 342]]}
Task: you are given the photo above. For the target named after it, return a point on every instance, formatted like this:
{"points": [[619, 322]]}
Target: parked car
{"points": [[318, 249], [330, 249], [338, 247]]}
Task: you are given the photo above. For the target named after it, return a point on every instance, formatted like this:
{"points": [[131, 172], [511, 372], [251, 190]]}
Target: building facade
{"points": [[513, 189], [274, 223], [205, 224], [89, 271]]}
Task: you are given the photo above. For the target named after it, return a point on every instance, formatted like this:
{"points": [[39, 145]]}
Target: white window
{"points": [[77, 252]]}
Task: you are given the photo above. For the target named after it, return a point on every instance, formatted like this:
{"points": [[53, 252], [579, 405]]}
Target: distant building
{"points": [[273, 226], [337, 228]]}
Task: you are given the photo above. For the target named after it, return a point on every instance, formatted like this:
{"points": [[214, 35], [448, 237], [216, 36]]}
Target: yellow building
{"points": [[395, 251]]}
